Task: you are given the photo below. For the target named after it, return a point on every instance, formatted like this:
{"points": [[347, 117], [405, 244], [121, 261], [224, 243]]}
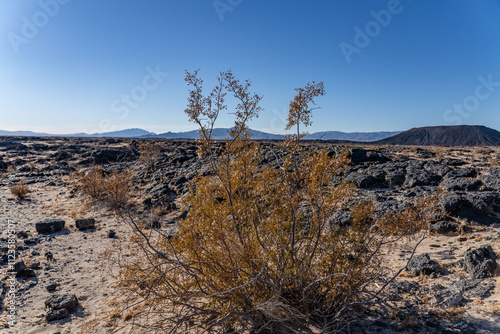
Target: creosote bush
{"points": [[257, 251], [149, 154], [109, 189], [20, 190]]}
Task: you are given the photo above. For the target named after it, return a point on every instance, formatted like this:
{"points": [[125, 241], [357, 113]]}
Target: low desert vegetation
{"points": [[495, 308], [113, 190], [258, 251], [20, 190], [149, 154]]}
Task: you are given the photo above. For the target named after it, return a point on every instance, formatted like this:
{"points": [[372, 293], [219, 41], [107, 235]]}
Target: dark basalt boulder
{"points": [[475, 206], [3, 165], [359, 155], [49, 226], [451, 203], [395, 178], [340, 218], [390, 205], [394, 173], [443, 227], [361, 180], [399, 287], [109, 155], [417, 175], [437, 168], [85, 223], [13, 146], [463, 184], [377, 171], [474, 288], [178, 181], [462, 172], [159, 190], [57, 315], [182, 157], [61, 156], [447, 298], [492, 179], [22, 271], [453, 162], [422, 265], [57, 302], [22, 234], [480, 262]]}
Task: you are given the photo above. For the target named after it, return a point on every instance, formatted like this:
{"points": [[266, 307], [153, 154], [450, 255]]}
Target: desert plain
{"points": [[452, 284]]}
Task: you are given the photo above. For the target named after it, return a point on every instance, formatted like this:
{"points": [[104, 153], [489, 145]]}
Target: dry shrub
{"points": [[111, 189], [257, 251], [115, 314], [494, 161], [495, 308], [450, 313], [20, 190], [464, 228], [478, 302], [149, 153]]}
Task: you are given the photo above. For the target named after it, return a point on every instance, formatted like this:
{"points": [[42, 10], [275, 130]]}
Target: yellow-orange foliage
{"points": [[20, 190], [109, 189], [257, 248]]}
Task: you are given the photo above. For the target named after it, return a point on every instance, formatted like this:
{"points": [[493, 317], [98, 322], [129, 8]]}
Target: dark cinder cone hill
{"points": [[459, 135]]}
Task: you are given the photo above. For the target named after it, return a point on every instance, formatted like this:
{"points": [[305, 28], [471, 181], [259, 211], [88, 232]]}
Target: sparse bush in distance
{"points": [[111, 189], [149, 154], [257, 251], [20, 190]]}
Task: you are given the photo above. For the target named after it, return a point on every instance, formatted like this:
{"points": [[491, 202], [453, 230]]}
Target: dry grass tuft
{"points": [[115, 314], [111, 189], [478, 301], [495, 308], [20, 190], [451, 313]]}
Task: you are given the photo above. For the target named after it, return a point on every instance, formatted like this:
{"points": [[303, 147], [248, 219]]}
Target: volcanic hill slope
{"points": [[460, 135]]}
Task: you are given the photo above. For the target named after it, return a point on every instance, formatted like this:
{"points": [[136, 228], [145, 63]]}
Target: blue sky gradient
{"points": [[70, 66]]}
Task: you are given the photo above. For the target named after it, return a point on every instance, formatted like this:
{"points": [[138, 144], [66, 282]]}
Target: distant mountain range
{"points": [[128, 133], [221, 133], [218, 133], [460, 135]]}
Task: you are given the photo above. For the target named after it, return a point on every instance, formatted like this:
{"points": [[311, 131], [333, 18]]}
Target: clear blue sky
{"points": [[84, 65]]}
